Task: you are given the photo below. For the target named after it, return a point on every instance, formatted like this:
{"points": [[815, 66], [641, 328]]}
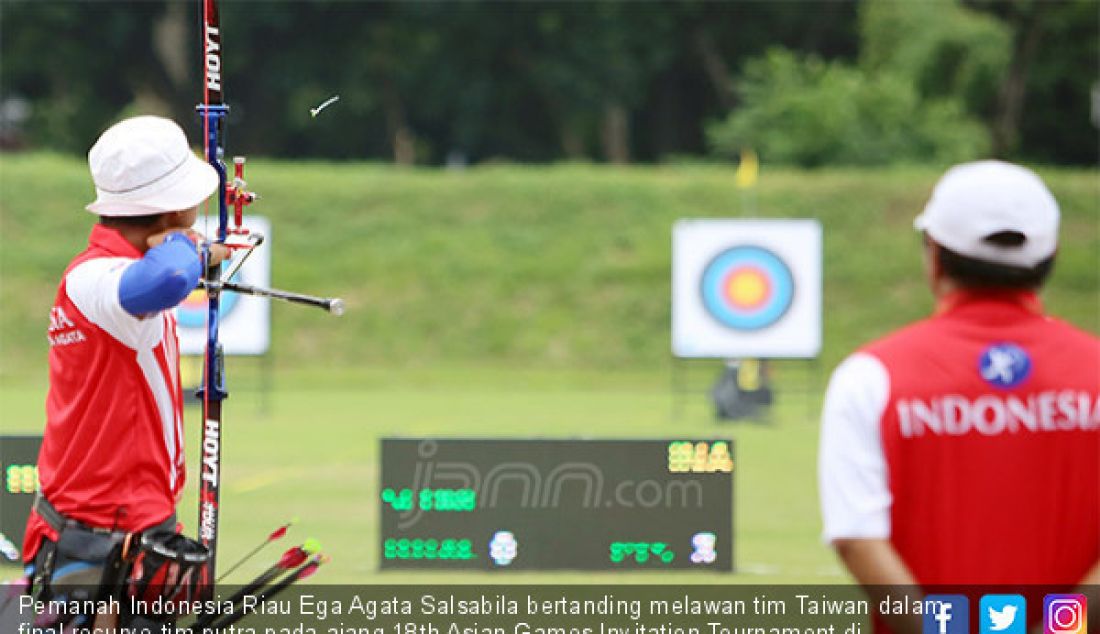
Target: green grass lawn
{"points": [[315, 456], [563, 266]]}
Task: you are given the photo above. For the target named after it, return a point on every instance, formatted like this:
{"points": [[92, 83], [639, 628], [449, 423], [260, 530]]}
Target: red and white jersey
{"points": [[970, 440], [112, 456]]}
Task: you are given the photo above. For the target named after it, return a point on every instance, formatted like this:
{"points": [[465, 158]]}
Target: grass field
{"points": [[315, 456], [563, 266], [508, 301]]}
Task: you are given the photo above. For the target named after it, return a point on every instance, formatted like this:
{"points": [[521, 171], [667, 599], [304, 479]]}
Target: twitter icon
{"points": [[1003, 614]]}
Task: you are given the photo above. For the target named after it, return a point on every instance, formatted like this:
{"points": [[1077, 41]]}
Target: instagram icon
{"points": [[1064, 614]]}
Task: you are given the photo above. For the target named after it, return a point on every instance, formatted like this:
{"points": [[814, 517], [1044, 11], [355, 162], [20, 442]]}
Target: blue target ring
{"points": [[747, 288]]}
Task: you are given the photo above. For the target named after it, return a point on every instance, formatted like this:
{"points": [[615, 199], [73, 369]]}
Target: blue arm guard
{"points": [[162, 278]]}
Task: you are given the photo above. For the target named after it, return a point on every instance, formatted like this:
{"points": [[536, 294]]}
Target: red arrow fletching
{"points": [[291, 558], [308, 570]]}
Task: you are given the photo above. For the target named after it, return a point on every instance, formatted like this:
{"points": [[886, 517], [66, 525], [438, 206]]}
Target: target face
{"points": [[747, 288]]}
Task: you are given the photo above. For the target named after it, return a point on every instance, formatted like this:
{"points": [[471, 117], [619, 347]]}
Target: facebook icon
{"points": [[946, 614]]}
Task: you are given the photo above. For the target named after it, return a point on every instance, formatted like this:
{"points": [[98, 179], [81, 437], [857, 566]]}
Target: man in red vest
{"points": [[965, 448]]}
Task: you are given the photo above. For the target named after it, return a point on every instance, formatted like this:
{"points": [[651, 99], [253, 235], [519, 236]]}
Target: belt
{"points": [[57, 521]]}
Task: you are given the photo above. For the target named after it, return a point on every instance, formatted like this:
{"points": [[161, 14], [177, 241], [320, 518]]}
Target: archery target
{"points": [[746, 288], [245, 321]]}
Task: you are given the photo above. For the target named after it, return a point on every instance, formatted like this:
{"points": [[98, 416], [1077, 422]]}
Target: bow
{"points": [[232, 234]]}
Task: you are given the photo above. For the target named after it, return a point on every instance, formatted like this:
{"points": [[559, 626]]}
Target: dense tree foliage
{"points": [[436, 82], [811, 113], [927, 71]]}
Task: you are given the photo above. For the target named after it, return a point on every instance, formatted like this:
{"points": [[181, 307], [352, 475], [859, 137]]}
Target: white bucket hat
{"points": [[974, 201], [143, 166]]}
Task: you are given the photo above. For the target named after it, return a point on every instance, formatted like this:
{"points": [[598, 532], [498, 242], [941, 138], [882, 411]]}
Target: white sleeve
{"points": [[93, 287], [852, 477]]}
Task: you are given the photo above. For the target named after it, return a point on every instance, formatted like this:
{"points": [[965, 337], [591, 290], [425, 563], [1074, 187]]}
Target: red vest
{"points": [[112, 456], [991, 436]]}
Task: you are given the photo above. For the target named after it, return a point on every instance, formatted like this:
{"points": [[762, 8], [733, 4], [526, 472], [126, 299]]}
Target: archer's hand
{"points": [[218, 252]]}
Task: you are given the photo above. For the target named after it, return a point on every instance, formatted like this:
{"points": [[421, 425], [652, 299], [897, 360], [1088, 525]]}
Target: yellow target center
{"points": [[747, 288]]}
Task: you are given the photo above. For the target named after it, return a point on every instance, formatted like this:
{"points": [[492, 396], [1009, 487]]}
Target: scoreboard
{"points": [[533, 504], [19, 470]]}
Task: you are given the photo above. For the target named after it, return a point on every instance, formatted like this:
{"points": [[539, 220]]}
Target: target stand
{"points": [[745, 289]]}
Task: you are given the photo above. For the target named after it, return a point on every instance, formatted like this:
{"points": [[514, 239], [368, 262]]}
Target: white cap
{"points": [[976, 200], [143, 166]]}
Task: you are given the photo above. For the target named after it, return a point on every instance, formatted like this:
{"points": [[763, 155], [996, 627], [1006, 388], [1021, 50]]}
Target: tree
{"points": [[809, 112], [76, 82], [542, 80], [1044, 99]]}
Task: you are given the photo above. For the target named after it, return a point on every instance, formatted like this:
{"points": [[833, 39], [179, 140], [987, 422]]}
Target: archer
{"points": [[112, 461]]}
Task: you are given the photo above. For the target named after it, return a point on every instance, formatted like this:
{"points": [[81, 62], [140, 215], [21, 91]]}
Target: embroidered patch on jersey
{"points": [[1004, 365]]}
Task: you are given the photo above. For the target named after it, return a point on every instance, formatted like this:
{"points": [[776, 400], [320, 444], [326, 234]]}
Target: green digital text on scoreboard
{"points": [[519, 504], [19, 470]]}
